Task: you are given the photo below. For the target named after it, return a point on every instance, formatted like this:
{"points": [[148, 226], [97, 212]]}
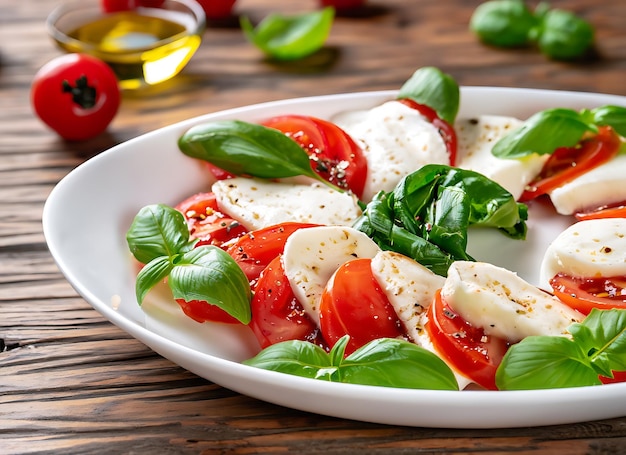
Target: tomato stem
{"points": [[83, 94]]}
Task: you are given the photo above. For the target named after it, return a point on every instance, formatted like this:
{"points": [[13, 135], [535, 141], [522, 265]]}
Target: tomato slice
{"points": [[201, 311], [584, 294], [276, 313], [567, 163], [255, 250], [466, 347], [334, 155], [447, 131], [606, 211], [353, 303], [207, 223]]}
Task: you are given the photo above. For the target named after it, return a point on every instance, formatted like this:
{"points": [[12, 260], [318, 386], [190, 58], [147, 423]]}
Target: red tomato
{"points": [[618, 376], [467, 348], [353, 303], [217, 9], [447, 131], [202, 311], [111, 6], [276, 313], [76, 95], [206, 222], [607, 211], [584, 294], [255, 250], [333, 153], [567, 163]]}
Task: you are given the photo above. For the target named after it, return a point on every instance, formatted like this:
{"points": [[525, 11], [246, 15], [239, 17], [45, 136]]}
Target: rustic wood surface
{"points": [[71, 382]]}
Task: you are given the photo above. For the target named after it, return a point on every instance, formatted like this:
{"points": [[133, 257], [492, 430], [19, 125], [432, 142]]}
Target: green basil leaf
{"points": [[290, 37], [338, 351], [433, 88], [150, 275], [391, 362], [603, 336], [543, 133], [503, 23], [295, 357], [247, 149], [207, 273], [157, 230], [545, 362], [613, 116], [564, 36]]}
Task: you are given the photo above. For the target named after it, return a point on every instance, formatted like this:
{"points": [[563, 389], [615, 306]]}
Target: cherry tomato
{"points": [[353, 303], [333, 153], [447, 131], [202, 311], [217, 9], [584, 294], [111, 6], [276, 313], [607, 211], [255, 250], [76, 95], [206, 222], [467, 348], [567, 163]]}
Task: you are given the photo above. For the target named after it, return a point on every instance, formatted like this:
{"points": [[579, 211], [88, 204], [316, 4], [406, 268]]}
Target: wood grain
{"points": [[71, 382]]}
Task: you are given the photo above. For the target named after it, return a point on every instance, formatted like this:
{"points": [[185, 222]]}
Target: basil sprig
{"points": [[159, 238], [385, 362], [550, 129], [596, 348], [433, 88], [427, 215], [243, 148], [290, 37]]}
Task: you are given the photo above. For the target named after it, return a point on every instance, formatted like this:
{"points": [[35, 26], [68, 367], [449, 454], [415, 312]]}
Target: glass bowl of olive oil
{"points": [[143, 46]]}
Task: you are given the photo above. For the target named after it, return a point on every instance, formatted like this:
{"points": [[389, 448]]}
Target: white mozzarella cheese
{"points": [[605, 184], [396, 141], [256, 203], [591, 248], [312, 255], [477, 136], [503, 304]]}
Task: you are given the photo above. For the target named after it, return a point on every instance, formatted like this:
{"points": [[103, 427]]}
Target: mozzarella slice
{"points": [[477, 136], [312, 255], [257, 203], [503, 304], [605, 184], [396, 141], [591, 248]]}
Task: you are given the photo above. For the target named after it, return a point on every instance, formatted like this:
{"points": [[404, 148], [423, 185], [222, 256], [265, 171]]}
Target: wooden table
{"points": [[71, 382]]}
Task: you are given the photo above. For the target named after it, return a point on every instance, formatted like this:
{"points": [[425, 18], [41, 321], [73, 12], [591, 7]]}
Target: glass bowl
{"points": [[144, 46]]}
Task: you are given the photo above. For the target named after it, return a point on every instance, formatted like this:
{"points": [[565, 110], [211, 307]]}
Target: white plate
{"points": [[87, 214]]}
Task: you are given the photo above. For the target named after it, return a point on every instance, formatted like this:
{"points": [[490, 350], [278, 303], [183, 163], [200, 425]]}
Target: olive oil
{"points": [[145, 47]]}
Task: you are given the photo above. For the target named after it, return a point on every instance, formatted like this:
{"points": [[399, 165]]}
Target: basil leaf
{"points": [[545, 362], [603, 336], [249, 149], [543, 133], [290, 37], [503, 23], [564, 36], [208, 273], [157, 230], [295, 357], [390, 362], [433, 88], [150, 275], [613, 116]]}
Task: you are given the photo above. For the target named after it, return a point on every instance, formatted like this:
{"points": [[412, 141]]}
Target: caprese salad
{"points": [[342, 242]]}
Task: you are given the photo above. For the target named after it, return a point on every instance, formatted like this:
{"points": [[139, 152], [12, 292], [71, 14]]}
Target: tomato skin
{"points": [[584, 294], [255, 250], [447, 131], [612, 211], [276, 313], [474, 354], [201, 311], [567, 163], [618, 376], [354, 303], [112, 6], [76, 95], [206, 222], [217, 9], [334, 155]]}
